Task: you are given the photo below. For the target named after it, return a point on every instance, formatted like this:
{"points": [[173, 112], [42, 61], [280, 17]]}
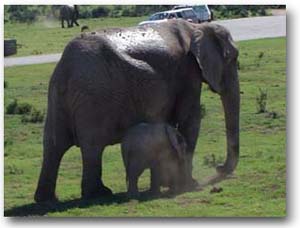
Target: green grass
{"points": [[257, 189], [47, 36]]}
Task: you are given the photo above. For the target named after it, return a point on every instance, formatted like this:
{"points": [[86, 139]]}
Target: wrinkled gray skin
{"points": [[113, 79], [159, 147], [69, 14]]}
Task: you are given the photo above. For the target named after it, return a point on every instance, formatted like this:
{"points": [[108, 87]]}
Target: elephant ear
{"points": [[177, 143], [213, 48]]}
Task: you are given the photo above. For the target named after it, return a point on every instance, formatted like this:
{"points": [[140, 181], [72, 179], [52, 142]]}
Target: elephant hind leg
{"points": [[53, 153], [92, 185]]}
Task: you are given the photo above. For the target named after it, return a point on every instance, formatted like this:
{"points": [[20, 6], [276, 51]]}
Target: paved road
{"points": [[33, 59], [256, 27], [241, 29]]}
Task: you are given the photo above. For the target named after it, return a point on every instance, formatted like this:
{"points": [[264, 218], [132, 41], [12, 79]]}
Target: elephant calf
{"points": [[159, 147]]}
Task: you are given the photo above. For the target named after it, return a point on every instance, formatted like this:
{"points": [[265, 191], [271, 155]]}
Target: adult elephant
{"points": [[69, 14], [110, 80]]}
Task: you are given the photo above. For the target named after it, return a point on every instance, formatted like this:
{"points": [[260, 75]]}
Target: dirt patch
{"points": [[278, 12], [216, 189]]}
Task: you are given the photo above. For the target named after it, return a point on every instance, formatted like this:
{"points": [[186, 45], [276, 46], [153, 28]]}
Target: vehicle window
{"points": [[179, 15], [171, 15], [199, 8], [163, 16], [154, 17], [158, 16], [188, 13]]}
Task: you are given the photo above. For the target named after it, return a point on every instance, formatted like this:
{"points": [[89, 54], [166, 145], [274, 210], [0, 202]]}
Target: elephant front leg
{"points": [[92, 185], [75, 22], [189, 128], [154, 180], [70, 23]]}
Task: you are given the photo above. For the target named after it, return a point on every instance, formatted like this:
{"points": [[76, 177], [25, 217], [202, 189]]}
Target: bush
{"points": [[23, 108], [15, 108], [100, 11], [85, 14], [22, 13], [5, 84], [261, 101], [11, 107], [35, 116], [8, 142], [243, 13], [272, 115]]}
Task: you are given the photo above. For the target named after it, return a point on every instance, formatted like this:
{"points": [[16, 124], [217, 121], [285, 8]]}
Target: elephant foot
{"points": [[44, 196], [173, 192], [133, 195], [103, 191], [192, 184], [153, 192]]}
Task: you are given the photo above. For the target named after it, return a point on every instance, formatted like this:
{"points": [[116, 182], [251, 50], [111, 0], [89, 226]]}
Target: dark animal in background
{"points": [[159, 147], [69, 14], [109, 81]]}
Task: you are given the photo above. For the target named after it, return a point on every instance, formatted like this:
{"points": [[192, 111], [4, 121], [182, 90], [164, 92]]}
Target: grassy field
{"points": [[258, 187], [47, 36]]}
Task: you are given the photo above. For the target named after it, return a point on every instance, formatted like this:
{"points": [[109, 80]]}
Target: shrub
{"points": [[261, 54], [5, 84], [15, 108], [243, 13], [261, 101], [11, 107], [22, 13], [35, 116], [262, 12], [7, 142], [23, 108], [272, 115], [100, 12]]}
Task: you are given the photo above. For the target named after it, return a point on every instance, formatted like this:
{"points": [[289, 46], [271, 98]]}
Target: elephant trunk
{"points": [[231, 102]]}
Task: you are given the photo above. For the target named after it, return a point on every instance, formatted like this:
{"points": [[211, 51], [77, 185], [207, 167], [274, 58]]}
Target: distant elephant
{"points": [[111, 80], [159, 147], [69, 14]]}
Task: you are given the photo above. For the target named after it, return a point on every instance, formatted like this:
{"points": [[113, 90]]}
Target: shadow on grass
{"points": [[39, 209]]}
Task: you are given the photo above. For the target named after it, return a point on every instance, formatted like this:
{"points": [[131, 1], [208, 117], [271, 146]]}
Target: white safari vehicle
{"points": [[184, 13], [202, 11]]}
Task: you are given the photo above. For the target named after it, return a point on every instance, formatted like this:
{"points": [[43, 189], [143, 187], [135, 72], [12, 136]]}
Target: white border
{"points": [[142, 2], [293, 142]]}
